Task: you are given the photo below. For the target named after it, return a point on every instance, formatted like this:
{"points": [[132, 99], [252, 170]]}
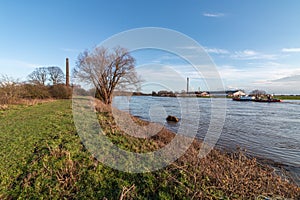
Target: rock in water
{"points": [[171, 118]]}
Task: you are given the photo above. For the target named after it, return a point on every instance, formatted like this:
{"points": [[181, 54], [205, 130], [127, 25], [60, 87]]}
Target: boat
{"points": [[252, 98], [243, 98], [267, 100]]}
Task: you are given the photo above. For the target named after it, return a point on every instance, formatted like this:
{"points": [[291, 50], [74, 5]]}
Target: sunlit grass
{"points": [[43, 157]]}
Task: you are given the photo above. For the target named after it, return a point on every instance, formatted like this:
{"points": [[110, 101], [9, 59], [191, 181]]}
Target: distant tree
{"points": [[56, 75], [107, 70], [39, 76]]}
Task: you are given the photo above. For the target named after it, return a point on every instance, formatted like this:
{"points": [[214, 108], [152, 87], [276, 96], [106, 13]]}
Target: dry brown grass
{"points": [[100, 106], [235, 175], [4, 107], [31, 102], [25, 102], [66, 174]]}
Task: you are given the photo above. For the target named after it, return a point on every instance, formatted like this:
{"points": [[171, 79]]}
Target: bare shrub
{"points": [[60, 91], [10, 90], [30, 91]]}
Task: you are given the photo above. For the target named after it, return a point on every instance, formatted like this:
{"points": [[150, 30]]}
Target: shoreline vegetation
{"points": [[43, 157], [196, 94]]}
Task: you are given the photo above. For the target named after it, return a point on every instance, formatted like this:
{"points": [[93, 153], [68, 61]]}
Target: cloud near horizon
{"points": [[253, 55], [291, 50], [290, 79], [285, 85]]}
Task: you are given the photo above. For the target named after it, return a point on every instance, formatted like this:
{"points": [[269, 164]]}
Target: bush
{"points": [[60, 91], [13, 92], [38, 91], [9, 90]]}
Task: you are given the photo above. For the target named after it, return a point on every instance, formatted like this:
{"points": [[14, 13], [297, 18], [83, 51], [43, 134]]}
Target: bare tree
{"points": [[56, 75], [39, 76], [107, 70], [10, 90]]}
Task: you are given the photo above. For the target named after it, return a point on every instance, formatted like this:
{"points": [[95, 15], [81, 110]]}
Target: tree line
{"points": [[52, 74], [42, 83], [104, 70]]}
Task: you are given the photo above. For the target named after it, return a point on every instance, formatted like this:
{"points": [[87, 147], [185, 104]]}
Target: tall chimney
{"points": [[187, 84], [67, 73]]}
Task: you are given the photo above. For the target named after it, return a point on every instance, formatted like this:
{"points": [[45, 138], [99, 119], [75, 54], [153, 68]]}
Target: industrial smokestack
{"points": [[187, 84], [67, 73]]}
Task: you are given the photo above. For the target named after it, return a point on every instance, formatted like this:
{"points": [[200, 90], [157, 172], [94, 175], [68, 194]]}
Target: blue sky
{"points": [[254, 43]]}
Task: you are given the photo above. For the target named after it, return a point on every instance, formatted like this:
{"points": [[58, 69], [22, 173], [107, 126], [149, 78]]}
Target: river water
{"points": [[270, 131]]}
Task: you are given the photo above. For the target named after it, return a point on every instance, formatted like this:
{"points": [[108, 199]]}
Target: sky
{"points": [[254, 44]]}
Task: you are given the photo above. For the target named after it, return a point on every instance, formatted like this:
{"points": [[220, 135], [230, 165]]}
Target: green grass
{"points": [[288, 97], [42, 157]]}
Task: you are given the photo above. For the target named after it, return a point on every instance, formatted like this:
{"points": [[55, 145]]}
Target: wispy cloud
{"points": [[207, 49], [17, 63], [70, 50], [291, 50], [167, 58], [253, 55], [285, 85], [216, 50], [188, 47], [160, 77], [269, 76], [292, 78], [215, 15], [16, 68], [258, 71]]}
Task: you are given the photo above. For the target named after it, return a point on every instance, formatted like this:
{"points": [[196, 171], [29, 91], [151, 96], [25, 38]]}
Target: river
{"points": [[269, 131]]}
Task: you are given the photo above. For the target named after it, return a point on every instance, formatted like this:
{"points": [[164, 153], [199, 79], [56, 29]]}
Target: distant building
{"points": [[239, 93], [204, 94]]}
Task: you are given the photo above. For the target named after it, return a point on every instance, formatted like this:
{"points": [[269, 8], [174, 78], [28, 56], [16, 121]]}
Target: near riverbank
{"points": [[42, 156]]}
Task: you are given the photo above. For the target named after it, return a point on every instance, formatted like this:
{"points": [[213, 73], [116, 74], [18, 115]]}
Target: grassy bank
{"points": [[288, 97], [43, 157]]}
